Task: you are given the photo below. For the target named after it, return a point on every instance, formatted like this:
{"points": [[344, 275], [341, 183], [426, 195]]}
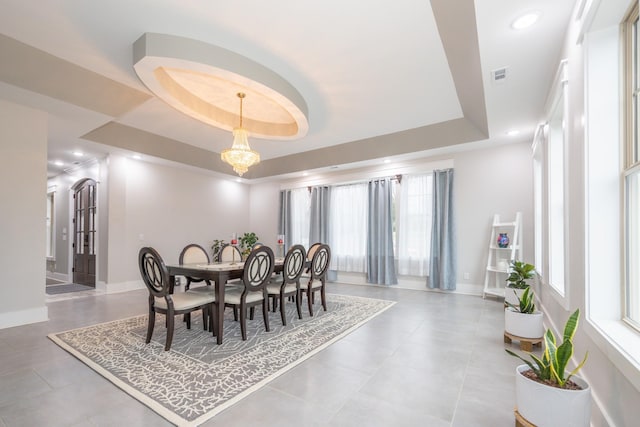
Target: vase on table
{"points": [[280, 246]]}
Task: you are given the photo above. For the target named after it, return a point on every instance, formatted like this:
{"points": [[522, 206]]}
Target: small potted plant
{"points": [[523, 320], [215, 249], [548, 395], [247, 240], [519, 273]]}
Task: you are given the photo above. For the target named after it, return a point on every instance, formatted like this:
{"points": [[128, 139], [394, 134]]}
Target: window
{"points": [[50, 225], [556, 195], [348, 218], [300, 206], [631, 171], [413, 225], [538, 185]]}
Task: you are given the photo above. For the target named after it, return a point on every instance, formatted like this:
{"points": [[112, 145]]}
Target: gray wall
{"points": [[23, 184]]}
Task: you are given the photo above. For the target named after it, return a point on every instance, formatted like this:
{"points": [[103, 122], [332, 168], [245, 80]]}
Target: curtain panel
{"points": [[380, 258], [442, 270]]}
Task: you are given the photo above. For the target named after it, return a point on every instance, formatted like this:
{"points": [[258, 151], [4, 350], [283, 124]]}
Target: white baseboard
{"points": [[112, 288], [24, 317], [414, 283], [58, 276]]}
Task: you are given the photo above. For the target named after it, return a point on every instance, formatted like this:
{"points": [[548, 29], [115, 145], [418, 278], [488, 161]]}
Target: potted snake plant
{"points": [[547, 394], [519, 274], [523, 320]]}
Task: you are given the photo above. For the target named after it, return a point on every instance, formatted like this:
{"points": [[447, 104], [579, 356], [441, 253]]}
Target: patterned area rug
{"points": [[196, 379]]}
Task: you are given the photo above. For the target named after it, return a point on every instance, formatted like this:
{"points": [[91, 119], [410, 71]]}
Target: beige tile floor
{"points": [[433, 359]]}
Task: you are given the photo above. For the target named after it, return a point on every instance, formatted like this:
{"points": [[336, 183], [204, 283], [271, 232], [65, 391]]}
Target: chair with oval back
{"points": [[229, 253], [317, 280], [194, 254], [156, 278], [257, 271], [289, 283]]}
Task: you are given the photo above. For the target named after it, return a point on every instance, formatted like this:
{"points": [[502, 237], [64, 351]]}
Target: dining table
{"points": [[219, 273]]}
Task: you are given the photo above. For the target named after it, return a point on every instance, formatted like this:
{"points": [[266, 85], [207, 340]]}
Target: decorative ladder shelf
{"points": [[499, 258]]}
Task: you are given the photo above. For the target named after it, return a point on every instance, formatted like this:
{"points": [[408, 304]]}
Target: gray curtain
{"points": [[319, 221], [380, 260], [284, 215], [442, 269]]}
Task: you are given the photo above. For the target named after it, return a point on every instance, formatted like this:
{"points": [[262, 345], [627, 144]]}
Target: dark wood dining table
{"points": [[218, 273]]}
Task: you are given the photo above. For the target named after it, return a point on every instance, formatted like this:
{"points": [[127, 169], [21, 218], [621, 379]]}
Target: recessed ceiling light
{"points": [[58, 163], [513, 132], [137, 156], [525, 21], [387, 161], [238, 179], [78, 153], [305, 173]]}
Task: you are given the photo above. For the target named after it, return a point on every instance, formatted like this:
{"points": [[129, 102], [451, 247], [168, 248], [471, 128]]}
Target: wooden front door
{"points": [[84, 232]]}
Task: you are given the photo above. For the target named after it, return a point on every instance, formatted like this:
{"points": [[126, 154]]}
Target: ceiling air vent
{"points": [[499, 75]]}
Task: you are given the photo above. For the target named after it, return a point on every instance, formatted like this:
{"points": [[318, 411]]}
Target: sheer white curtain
{"points": [[300, 205], [348, 218], [413, 225]]}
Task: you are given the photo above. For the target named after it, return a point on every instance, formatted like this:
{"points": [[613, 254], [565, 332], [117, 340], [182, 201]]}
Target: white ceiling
{"points": [[365, 69]]}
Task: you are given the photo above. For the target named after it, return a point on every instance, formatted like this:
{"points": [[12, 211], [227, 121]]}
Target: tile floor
{"points": [[433, 359]]}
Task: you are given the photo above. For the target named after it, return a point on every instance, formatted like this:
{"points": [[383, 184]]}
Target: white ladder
{"points": [[500, 258]]}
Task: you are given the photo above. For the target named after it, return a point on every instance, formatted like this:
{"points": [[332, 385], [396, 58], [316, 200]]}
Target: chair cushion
{"points": [[314, 285], [232, 296], [187, 300], [274, 288]]}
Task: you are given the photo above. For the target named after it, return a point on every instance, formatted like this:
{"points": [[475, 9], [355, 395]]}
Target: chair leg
{"points": [[205, 317], [282, 315], [299, 304], [152, 322], [170, 326], [265, 314], [251, 313], [235, 313], [243, 320], [309, 301], [323, 298], [188, 320], [274, 302]]}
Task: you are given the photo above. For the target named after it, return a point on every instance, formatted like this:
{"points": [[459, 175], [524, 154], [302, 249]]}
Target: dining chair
{"points": [[194, 254], [318, 276], [229, 253], [312, 250], [288, 284], [253, 290], [156, 278]]}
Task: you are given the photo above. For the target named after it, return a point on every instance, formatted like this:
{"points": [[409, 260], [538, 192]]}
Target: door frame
{"points": [[70, 234]]}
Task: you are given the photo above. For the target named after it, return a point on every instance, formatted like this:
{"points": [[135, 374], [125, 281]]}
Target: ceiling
{"points": [[380, 79]]}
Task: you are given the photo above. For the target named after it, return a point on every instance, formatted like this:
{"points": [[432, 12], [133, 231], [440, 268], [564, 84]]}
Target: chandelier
{"points": [[240, 155]]}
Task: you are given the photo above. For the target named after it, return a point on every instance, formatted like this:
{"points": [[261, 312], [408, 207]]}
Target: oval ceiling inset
{"points": [[202, 80]]}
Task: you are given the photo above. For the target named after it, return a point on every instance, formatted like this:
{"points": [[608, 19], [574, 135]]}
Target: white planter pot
{"points": [[509, 296], [547, 406], [523, 325]]}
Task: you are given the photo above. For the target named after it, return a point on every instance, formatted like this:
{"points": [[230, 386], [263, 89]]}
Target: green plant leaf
{"points": [[571, 326]]}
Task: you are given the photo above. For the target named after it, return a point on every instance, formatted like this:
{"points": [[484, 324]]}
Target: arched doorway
{"points": [[84, 232]]}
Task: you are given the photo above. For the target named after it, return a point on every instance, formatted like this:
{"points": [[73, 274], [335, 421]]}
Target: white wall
{"points": [[263, 212], [487, 181], [615, 397], [23, 188], [167, 208], [496, 180]]}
